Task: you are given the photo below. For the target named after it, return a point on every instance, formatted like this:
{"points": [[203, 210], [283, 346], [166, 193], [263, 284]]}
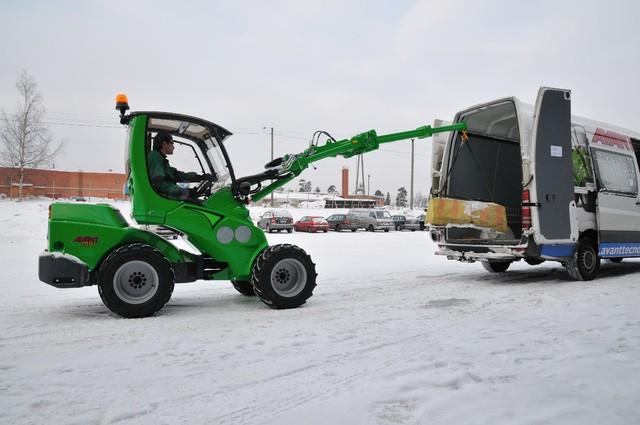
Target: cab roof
{"points": [[183, 125]]}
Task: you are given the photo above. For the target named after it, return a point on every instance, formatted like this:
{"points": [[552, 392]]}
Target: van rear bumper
{"points": [[471, 253], [472, 256]]}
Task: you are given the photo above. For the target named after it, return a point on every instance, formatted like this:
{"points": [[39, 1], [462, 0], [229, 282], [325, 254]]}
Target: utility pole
{"points": [[411, 192], [271, 129], [359, 174], [368, 184]]}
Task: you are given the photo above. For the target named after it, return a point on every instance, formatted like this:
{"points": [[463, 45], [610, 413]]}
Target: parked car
{"points": [[276, 220], [373, 219], [313, 224], [339, 222], [398, 221], [414, 223]]}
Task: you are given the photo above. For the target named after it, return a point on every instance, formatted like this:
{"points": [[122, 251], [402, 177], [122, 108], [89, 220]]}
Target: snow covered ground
{"points": [[393, 335]]}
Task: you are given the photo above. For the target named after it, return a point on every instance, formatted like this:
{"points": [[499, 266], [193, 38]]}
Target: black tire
{"points": [[267, 228], [615, 259], [585, 263], [244, 287], [386, 230], [338, 228], [370, 228], [354, 230], [126, 281], [496, 266], [284, 276], [289, 230], [533, 261]]}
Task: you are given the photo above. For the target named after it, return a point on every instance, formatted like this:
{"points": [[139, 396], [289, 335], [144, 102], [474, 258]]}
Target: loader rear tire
{"points": [[135, 281], [244, 287], [284, 276], [496, 266]]}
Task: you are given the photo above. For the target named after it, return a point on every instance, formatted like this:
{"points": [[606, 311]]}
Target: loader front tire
{"points": [[284, 276], [135, 281], [244, 287]]}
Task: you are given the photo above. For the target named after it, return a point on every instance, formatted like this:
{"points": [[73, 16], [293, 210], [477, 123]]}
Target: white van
{"points": [[373, 219], [569, 185]]}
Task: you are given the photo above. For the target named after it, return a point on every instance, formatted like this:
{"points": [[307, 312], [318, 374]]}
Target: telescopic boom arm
{"points": [[285, 169]]}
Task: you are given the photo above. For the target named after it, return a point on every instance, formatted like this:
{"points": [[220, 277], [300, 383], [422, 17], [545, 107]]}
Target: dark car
{"points": [[312, 224], [276, 220], [339, 222], [415, 223], [399, 221]]}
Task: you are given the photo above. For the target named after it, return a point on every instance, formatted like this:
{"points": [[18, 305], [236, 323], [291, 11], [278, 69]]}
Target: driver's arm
{"points": [[186, 177]]}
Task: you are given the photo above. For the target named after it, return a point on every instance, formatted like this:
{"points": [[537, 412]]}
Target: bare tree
{"points": [[25, 141]]}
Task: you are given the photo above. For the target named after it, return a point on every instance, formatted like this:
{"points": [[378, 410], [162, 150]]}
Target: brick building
{"points": [[62, 184]]}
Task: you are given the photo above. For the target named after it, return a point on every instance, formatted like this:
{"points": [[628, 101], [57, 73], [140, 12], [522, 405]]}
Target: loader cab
{"points": [[198, 148]]}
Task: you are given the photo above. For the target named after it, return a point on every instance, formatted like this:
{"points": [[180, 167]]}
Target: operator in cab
{"points": [[164, 178]]}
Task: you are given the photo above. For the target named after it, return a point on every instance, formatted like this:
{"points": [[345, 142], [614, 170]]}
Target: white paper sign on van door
{"points": [[556, 151]]}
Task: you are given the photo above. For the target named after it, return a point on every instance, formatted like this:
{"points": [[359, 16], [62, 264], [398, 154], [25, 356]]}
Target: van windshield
{"points": [[383, 214]]}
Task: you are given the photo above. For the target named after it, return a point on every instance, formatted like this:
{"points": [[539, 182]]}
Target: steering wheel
{"points": [[203, 188]]}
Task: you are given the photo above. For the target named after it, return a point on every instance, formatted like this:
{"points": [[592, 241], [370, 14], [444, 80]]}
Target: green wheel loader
{"points": [[135, 269]]}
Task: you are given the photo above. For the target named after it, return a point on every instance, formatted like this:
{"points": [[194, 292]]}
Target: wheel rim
{"points": [[135, 282], [589, 260], [288, 277]]}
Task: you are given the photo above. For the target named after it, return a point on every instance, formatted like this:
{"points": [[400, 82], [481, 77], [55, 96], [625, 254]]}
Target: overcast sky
{"points": [[299, 66]]}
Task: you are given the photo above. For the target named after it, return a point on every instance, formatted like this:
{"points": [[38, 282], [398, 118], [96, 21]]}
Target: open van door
{"points": [[552, 193]]}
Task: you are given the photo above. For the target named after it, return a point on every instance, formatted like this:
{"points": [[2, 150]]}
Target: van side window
{"points": [[616, 172], [582, 167]]}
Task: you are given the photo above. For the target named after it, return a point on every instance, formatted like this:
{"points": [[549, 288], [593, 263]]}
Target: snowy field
{"points": [[392, 335]]}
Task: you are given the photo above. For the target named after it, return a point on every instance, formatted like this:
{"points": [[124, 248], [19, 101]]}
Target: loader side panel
{"points": [[91, 232]]}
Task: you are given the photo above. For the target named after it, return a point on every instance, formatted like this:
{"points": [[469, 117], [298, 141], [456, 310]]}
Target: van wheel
{"points": [[354, 230], [268, 228], [370, 228], [289, 230], [283, 276], [615, 260], [338, 228], [585, 263], [135, 281], [496, 266], [386, 230], [533, 261]]}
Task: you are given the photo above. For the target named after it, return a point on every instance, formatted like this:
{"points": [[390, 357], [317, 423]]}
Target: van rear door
{"points": [[552, 185]]}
